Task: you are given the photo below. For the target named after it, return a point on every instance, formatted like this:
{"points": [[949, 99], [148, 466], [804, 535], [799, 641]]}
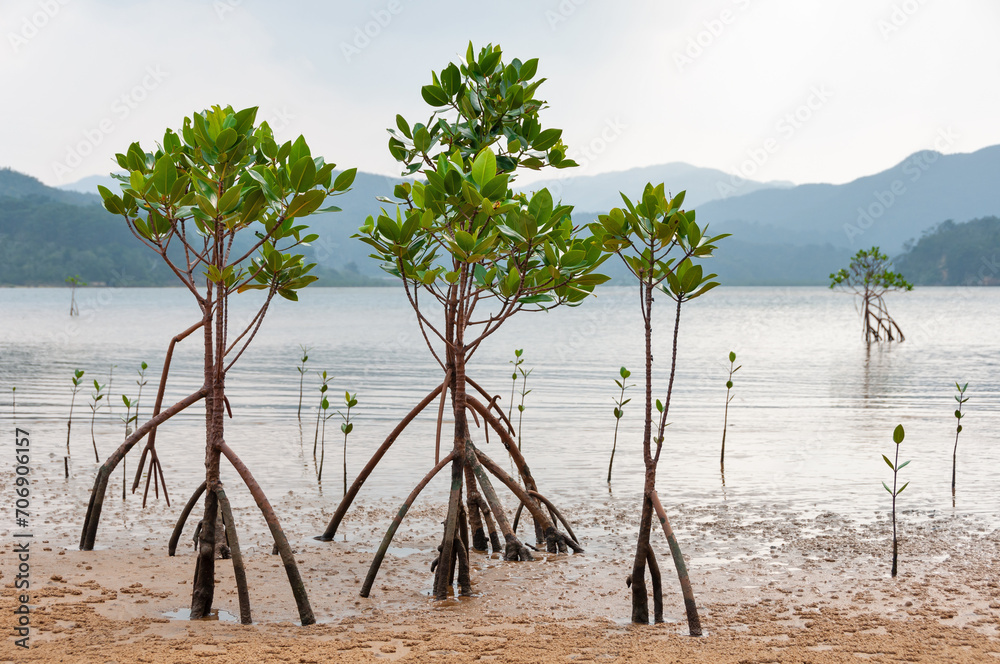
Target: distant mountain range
{"points": [[782, 234]]}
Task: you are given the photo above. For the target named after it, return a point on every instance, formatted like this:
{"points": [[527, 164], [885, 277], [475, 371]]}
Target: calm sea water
{"points": [[813, 410]]}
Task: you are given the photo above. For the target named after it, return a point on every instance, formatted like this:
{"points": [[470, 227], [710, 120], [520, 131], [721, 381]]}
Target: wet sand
{"points": [[773, 584]]}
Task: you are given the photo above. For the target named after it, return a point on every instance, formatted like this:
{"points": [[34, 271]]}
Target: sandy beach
{"points": [[774, 585]]}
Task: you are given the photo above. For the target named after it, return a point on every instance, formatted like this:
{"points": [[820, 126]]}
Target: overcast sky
{"points": [[803, 90]]}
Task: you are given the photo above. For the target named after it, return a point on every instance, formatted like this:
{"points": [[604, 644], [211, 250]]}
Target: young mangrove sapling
{"points": [[961, 399], [221, 203], [657, 240], [725, 417], [619, 411], [897, 437], [471, 253], [350, 401], [95, 404], [869, 277], [302, 374], [77, 382]]}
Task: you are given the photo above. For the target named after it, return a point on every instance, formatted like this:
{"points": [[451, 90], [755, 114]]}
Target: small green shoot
{"points": [[321, 410], [140, 381], [324, 405], [350, 400], [619, 406], [77, 382], [961, 399], [513, 377], [95, 400], [128, 419], [302, 374], [520, 407], [897, 437], [725, 418]]}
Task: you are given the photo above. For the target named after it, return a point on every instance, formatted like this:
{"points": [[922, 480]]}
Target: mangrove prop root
{"points": [[654, 575], [396, 521], [239, 571], [690, 606], [352, 492], [557, 514], [515, 455], [96, 504], [287, 557], [442, 575], [157, 405], [490, 525], [513, 549], [555, 541], [479, 541], [640, 598], [203, 591], [182, 519], [440, 419]]}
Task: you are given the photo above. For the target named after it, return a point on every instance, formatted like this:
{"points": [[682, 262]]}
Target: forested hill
{"points": [[951, 254]]}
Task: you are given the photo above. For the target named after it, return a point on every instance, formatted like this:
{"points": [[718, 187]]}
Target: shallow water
{"points": [[812, 413]]}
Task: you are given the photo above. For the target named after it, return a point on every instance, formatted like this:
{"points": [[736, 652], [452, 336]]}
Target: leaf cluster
{"points": [[869, 271], [658, 240], [217, 177]]}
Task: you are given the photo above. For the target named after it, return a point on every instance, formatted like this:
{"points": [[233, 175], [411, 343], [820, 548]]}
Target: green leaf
{"points": [[434, 95], [902, 488], [546, 139], [889, 462], [305, 204], [897, 434], [732, 356], [887, 488], [345, 179], [484, 168], [903, 465], [302, 174]]}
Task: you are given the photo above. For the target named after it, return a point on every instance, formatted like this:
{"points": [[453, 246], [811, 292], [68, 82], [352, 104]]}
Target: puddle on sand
{"points": [[215, 614]]}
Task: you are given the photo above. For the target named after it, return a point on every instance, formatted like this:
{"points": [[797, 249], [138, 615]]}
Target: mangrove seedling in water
{"points": [[128, 419], [141, 382], [95, 404], [961, 399], [897, 437], [657, 241], [471, 253], [302, 374], [513, 378], [77, 382], [324, 405], [619, 406], [320, 411], [350, 401], [221, 202], [725, 417], [869, 277], [74, 281], [520, 407]]}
